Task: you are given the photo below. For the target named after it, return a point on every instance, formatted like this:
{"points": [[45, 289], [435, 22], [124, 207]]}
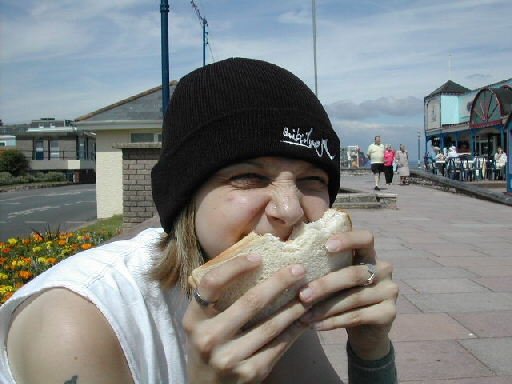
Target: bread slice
{"points": [[306, 246]]}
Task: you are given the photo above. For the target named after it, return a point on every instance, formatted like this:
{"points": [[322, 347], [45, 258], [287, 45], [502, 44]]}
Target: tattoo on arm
{"points": [[74, 380]]}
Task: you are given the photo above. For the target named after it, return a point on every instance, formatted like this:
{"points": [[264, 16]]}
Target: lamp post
{"points": [[419, 153], [164, 26]]}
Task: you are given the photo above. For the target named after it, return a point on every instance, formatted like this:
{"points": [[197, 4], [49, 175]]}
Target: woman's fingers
{"points": [[218, 335], [244, 345], [369, 305]]}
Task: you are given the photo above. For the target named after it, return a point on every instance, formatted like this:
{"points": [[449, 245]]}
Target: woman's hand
{"points": [[340, 300], [218, 349]]}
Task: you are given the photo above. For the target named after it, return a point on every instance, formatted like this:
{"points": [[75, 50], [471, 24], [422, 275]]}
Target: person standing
{"points": [[402, 160], [389, 157], [376, 155]]}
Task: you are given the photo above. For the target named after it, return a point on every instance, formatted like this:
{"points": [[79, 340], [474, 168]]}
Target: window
{"points": [[146, 137], [54, 150]]}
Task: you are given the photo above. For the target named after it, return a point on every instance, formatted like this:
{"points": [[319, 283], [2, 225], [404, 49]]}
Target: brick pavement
{"points": [[452, 259]]}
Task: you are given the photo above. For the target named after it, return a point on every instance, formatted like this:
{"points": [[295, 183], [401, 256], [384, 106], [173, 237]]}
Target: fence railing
{"points": [[59, 155]]}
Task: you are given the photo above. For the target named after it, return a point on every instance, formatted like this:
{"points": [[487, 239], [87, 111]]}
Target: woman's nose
{"points": [[285, 205]]}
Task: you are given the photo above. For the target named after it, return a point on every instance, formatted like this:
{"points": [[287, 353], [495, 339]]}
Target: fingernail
{"points": [[298, 270], [316, 325], [333, 245], [306, 294], [254, 258]]}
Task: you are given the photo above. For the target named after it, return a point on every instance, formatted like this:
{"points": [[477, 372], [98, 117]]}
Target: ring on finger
{"points": [[372, 270], [201, 300]]}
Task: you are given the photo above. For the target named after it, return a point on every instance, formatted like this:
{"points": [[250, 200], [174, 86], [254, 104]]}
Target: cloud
{"points": [[348, 110]]}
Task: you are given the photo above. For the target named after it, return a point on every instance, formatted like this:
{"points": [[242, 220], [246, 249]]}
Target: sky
{"points": [[376, 60]]}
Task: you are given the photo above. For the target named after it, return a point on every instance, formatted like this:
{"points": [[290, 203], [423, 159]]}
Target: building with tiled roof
{"points": [[137, 119]]}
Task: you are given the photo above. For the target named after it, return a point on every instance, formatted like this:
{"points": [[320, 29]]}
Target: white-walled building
{"points": [[134, 120]]}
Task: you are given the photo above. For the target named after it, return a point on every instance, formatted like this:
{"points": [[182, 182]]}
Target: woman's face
{"points": [[264, 195]]}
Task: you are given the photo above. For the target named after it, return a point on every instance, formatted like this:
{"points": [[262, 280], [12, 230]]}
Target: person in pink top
{"points": [[389, 156]]}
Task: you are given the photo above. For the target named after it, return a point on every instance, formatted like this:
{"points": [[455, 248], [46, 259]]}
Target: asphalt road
{"points": [[64, 208]]}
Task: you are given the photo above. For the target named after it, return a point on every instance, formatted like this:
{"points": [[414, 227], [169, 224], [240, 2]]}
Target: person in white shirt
{"points": [[376, 154], [246, 146]]}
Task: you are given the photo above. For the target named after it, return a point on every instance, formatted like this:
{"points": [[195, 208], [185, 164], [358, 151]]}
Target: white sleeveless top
{"points": [[146, 319]]}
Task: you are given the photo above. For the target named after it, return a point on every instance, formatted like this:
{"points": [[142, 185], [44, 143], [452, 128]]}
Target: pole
{"points": [[419, 153], [204, 42], [313, 5], [164, 20]]}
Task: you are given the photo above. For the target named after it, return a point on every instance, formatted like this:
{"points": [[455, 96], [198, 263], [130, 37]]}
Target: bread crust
{"points": [[306, 246]]}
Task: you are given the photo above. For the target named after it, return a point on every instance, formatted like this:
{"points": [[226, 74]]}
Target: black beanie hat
{"points": [[233, 110]]}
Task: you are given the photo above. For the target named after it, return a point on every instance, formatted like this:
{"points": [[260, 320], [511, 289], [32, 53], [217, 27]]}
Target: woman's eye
{"points": [[249, 180], [313, 182]]}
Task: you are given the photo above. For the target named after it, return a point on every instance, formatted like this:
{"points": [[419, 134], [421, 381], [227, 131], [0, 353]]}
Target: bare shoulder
{"points": [[60, 337]]}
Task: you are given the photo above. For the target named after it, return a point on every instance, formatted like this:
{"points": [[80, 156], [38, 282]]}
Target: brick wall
{"points": [[138, 160]]}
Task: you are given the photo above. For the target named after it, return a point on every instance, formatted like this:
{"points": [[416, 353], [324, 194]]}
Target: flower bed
{"points": [[21, 259]]}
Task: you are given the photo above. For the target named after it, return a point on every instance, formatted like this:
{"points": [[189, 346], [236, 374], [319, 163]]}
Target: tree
{"points": [[14, 162]]}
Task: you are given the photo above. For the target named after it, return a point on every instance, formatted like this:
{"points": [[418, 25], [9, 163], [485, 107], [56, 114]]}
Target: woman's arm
{"points": [[60, 337]]}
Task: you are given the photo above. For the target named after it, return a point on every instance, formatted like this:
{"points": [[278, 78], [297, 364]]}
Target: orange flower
{"points": [[37, 237], [87, 237], [27, 260], [26, 241], [51, 260], [70, 234], [86, 246], [7, 296], [62, 242], [26, 274], [3, 260], [6, 250]]}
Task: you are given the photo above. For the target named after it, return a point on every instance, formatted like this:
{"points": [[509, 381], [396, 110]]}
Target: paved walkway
{"points": [[452, 258]]}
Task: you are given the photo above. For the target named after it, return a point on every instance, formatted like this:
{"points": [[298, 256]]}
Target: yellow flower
{"points": [[3, 276], [42, 260], [36, 249], [6, 288], [12, 241]]}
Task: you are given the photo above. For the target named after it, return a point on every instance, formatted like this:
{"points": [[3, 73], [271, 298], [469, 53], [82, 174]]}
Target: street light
{"points": [[419, 154]]}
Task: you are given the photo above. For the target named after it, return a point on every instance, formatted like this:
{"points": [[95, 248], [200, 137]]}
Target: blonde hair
{"points": [[179, 252]]}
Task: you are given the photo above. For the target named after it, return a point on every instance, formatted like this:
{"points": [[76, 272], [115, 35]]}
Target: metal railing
{"points": [[59, 155]]}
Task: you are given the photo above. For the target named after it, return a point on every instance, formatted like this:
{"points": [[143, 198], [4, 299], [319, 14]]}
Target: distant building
{"points": [[137, 119], [474, 121], [56, 145]]}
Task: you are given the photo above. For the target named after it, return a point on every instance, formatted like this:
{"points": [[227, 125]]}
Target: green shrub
{"points": [[14, 162], [54, 176], [5, 178]]}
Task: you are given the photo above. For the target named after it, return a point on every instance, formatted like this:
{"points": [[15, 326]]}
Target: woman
{"points": [[402, 161], [389, 156], [246, 146]]}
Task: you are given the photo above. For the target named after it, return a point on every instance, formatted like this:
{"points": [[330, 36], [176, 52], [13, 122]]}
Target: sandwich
{"points": [[305, 246]]}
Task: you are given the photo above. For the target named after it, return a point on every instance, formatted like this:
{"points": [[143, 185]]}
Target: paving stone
{"points": [[427, 326], [496, 284], [476, 380], [486, 324], [467, 261], [461, 302], [439, 359], [495, 353], [486, 271], [445, 285], [407, 273]]}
